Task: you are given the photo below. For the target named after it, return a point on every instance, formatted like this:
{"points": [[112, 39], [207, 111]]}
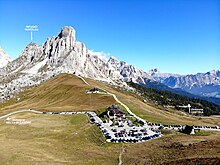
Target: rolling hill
{"points": [[62, 93]]}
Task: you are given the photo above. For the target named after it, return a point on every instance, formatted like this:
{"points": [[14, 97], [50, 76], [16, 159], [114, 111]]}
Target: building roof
{"points": [[94, 89], [115, 110]]}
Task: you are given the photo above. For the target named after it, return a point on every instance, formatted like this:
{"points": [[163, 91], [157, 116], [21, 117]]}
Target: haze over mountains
{"points": [[64, 54]]}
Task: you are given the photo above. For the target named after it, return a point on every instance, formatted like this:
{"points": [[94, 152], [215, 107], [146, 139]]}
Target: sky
{"points": [[175, 36]]}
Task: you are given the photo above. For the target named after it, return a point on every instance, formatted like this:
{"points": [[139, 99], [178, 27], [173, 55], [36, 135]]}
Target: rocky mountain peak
{"points": [[31, 45], [4, 58], [30, 51], [60, 45], [68, 31], [214, 72], [113, 60]]}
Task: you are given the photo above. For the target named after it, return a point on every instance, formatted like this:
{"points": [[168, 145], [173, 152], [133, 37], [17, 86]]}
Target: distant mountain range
{"points": [[201, 84], [64, 54]]}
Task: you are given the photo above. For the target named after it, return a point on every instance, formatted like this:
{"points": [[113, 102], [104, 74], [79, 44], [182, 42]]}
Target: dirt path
{"points": [[120, 155], [83, 80]]}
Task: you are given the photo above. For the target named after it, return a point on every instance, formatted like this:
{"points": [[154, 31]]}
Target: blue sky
{"points": [[179, 36]]}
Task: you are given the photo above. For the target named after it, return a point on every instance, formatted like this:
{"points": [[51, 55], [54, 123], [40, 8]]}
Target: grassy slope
{"points": [[56, 139], [70, 139], [175, 147], [62, 93]]}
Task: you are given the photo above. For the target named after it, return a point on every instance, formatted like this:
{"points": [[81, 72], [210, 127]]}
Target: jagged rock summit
{"points": [[68, 31]]}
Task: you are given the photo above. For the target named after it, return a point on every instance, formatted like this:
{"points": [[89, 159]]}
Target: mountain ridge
{"points": [[65, 54]]}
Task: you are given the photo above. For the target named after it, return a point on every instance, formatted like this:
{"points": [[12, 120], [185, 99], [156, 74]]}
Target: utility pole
{"points": [[189, 106]]}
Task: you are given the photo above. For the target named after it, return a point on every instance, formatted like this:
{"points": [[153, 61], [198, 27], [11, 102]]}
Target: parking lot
{"points": [[123, 132]]}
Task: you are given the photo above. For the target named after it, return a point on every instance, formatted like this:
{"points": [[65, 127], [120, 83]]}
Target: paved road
{"points": [[12, 113], [125, 106]]}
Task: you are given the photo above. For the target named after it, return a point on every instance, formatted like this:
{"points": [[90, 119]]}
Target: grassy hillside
{"points": [[62, 93], [176, 149], [71, 139], [54, 139]]}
